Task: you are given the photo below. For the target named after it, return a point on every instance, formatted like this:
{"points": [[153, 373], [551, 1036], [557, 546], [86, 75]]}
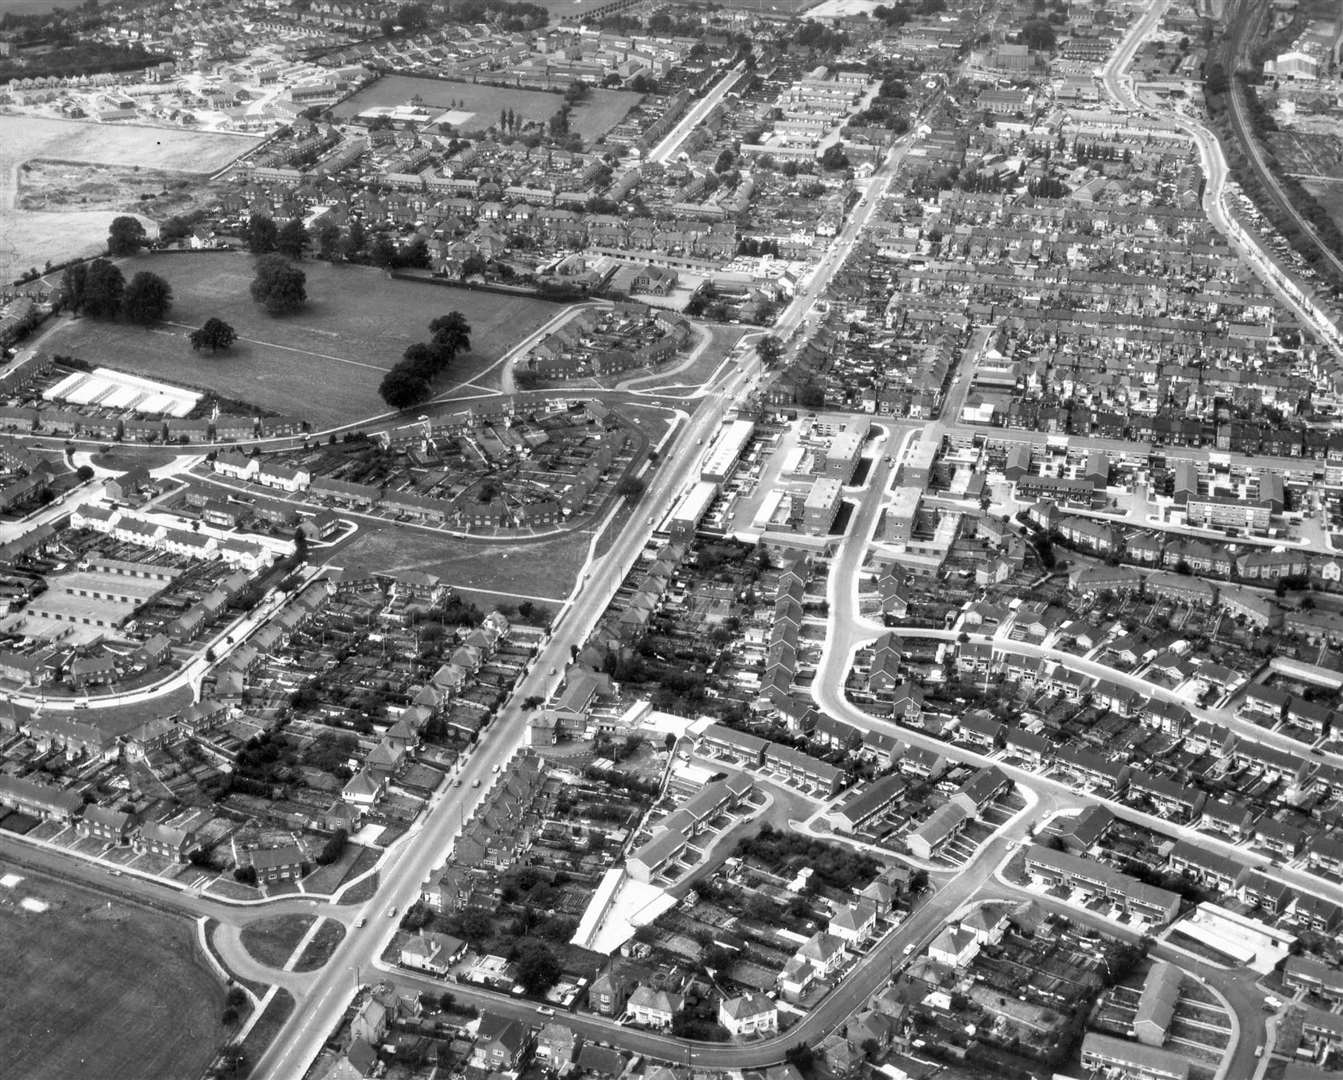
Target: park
{"points": [[322, 364], [101, 981]]}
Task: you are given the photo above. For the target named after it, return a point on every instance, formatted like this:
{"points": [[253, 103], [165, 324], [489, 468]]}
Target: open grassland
{"points": [[109, 991], [272, 941], [323, 364], [479, 106], [541, 569], [325, 942], [32, 238]]}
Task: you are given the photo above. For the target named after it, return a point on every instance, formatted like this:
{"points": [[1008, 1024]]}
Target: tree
{"points": [[148, 298], [402, 388], [125, 236], [769, 349], [104, 287], [260, 234], [538, 970], [84, 473], [279, 285], [451, 333], [72, 286], [246, 875], [334, 848], [214, 335], [422, 360], [834, 157], [630, 487], [1038, 34], [383, 251], [355, 240], [328, 239], [292, 239]]}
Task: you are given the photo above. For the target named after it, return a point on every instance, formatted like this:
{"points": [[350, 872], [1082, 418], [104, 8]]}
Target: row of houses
{"points": [[224, 428], [129, 527]]}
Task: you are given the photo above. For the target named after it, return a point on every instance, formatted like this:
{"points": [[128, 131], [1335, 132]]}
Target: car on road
{"points": [[545, 1010], [391, 912], [909, 948], [457, 782], [495, 769], [361, 921], [475, 783]]}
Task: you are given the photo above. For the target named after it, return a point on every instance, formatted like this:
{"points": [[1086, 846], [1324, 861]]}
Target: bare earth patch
{"points": [[31, 238]]}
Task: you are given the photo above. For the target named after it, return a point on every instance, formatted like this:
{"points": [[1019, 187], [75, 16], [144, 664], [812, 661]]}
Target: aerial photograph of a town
{"points": [[671, 539]]}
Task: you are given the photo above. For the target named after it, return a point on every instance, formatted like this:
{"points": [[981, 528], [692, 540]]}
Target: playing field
{"points": [[475, 107], [31, 238], [323, 364], [537, 570], [110, 992]]}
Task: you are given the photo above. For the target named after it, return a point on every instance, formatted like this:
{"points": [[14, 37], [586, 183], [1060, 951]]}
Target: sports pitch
{"points": [[479, 106], [109, 991], [323, 364]]}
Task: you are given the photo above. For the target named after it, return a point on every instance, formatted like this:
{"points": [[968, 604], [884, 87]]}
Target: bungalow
{"points": [[432, 953]]}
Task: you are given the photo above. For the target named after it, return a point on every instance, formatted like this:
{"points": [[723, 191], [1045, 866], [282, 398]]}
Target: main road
{"points": [[1120, 87], [426, 846]]}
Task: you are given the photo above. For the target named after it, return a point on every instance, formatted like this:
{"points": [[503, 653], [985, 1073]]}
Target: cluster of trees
{"points": [[834, 158], [410, 382], [99, 290], [899, 14], [1047, 187], [1038, 34], [262, 236], [214, 334], [278, 285], [749, 245]]}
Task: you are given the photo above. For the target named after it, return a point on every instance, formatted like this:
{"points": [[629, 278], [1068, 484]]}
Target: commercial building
{"points": [[725, 451], [690, 511]]}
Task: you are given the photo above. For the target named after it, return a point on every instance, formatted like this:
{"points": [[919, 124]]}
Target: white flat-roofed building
{"points": [[690, 511], [725, 451], [821, 505]]}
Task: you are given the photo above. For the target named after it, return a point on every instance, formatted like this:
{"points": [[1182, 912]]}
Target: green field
{"points": [[478, 106], [541, 570], [323, 944], [272, 941], [91, 990], [323, 364]]}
